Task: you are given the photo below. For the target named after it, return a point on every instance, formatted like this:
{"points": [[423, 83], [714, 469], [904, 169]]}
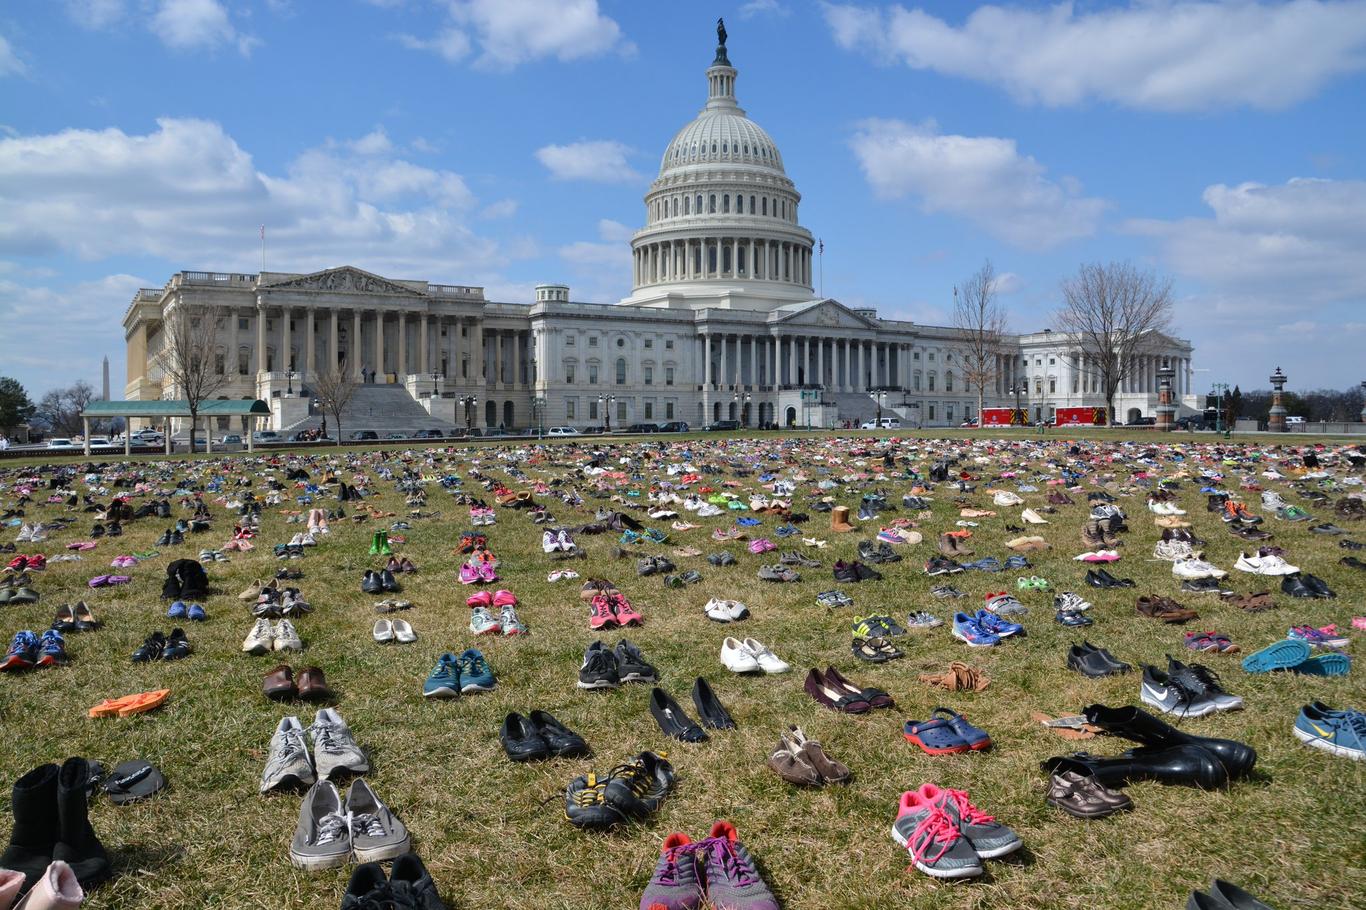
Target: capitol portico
{"points": [[721, 324]]}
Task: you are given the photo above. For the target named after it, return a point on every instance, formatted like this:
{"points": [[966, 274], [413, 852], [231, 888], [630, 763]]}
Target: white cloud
{"points": [[762, 8], [614, 231], [1152, 54], [95, 14], [1279, 276], [10, 64], [1007, 283], [375, 142], [610, 257], [185, 25], [601, 161], [503, 208], [980, 178], [512, 32]]}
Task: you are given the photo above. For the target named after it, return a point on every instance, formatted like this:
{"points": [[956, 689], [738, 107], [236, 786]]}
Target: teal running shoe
{"points": [[1339, 732], [475, 673], [444, 680]]}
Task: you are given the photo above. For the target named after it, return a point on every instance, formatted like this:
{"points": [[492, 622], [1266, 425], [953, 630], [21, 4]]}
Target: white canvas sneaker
{"points": [[767, 660], [1192, 569], [287, 637], [736, 658]]}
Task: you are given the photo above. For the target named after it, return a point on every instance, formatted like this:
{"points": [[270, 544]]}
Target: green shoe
{"points": [[382, 538], [374, 544]]}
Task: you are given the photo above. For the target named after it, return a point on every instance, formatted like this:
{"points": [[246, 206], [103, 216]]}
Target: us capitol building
{"points": [[721, 324]]}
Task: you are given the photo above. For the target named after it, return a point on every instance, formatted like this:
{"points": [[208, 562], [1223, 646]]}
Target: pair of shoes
{"points": [[483, 623], [180, 610], [396, 630], [539, 735], [264, 637], [281, 684], [877, 626], [675, 722], [52, 829], [1224, 896], [1185, 690], [802, 761], [839, 694], [719, 610], [1293, 654], [606, 668], [948, 836], [373, 582], [1099, 578], [609, 610], [1303, 584], [875, 650], [946, 733], [717, 870], [163, 647], [463, 675], [1164, 609], [1339, 732], [982, 630], [28, 650], [721, 559], [631, 790], [1094, 662], [1215, 642], [749, 656], [379, 544], [1082, 796], [408, 887], [289, 763], [76, 618], [331, 830]]}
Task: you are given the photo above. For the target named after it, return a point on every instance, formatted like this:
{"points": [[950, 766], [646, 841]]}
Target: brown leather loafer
{"points": [[1164, 609], [279, 683], [313, 685]]}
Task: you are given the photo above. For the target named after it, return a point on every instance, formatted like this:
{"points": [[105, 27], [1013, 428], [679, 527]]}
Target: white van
{"points": [[886, 423], [562, 431], [1294, 421]]}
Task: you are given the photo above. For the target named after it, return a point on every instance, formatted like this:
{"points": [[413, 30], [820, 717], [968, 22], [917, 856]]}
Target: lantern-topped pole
{"points": [[1276, 419]]}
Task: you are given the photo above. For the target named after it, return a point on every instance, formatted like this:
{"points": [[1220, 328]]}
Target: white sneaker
{"points": [[767, 660], [383, 631], [297, 540], [1173, 550], [725, 610], [707, 510], [25, 534], [403, 632], [308, 540], [287, 637], [260, 639], [1006, 498], [1033, 517], [549, 542], [1264, 565], [736, 658], [1193, 569]]}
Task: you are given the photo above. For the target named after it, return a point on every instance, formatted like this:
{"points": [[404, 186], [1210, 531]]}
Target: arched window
{"points": [[765, 206], [687, 205], [725, 203], [751, 205], [621, 371], [711, 203], [724, 149], [931, 381], [739, 205], [491, 414], [675, 206], [698, 210], [243, 360], [713, 148], [784, 208]]}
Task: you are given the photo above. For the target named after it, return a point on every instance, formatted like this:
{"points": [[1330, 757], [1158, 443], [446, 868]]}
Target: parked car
{"points": [[485, 432], [562, 431], [722, 425], [970, 423], [148, 438], [396, 435], [1142, 422], [642, 428], [674, 426], [101, 442], [1294, 421], [230, 439], [1190, 423], [61, 442], [265, 436], [883, 423], [593, 431], [364, 436], [429, 434]]}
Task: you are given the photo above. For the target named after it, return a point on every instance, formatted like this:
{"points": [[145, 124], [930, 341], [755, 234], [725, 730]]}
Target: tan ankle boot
{"points": [[839, 519]]}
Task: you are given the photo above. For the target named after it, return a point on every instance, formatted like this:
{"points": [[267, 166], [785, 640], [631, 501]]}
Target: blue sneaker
{"points": [[656, 535], [52, 649], [1339, 732], [196, 613], [22, 653], [629, 537], [965, 628], [177, 610], [444, 680], [995, 625], [748, 522], [475, 673], [787, 531], [976, 738]]}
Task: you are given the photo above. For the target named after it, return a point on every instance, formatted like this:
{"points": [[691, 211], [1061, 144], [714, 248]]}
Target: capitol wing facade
{"points": [[721, 325]]}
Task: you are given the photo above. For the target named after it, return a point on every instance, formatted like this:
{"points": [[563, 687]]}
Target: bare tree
{"points": [[980, 322], [334, 390], [1115, 313], [189, 357], [61, 409]]}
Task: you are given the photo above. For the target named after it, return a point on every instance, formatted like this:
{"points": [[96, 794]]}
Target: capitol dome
{"points": [[721, 223]]}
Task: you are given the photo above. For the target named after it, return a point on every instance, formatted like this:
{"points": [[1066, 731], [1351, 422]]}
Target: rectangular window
{"points": [[1052, 361], [931, 412], [592, 409], [668, 375], [592, 374], [241, 325], [569, 341], [621, 412], [569, 373], [915, 382], [1052, 386], [593, 341], [1074, 384], [649, 410], [915, 355], [668, 410], [649, 375], [218, 364], [649, 343], [931, 382], [948, 413], [570, 406], [668, 344], [1038, 387]]}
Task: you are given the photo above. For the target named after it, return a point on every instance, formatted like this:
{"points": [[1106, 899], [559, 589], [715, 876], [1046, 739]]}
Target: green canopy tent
{"points": [[167, 408]]}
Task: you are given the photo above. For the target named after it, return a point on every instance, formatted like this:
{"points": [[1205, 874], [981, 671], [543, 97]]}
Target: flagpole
{"points": [[821, 263], [263, 248]]}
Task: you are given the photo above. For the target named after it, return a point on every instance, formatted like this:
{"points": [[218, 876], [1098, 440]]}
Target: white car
{"points": [[562, 431], [886, 423], [61, 443], [101, 442]]}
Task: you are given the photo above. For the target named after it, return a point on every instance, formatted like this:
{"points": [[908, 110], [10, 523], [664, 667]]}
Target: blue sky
{"points": [[508, 142]]}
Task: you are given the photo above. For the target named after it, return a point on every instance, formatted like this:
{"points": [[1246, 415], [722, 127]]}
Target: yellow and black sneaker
{"points": [[636, 788], [585, 805]]}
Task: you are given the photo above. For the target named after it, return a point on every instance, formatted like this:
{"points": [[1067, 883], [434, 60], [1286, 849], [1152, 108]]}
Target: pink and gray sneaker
{"points": [[931, 835], [987, 837], [732, 880], [675, 885], [600, 614], [625, 613]]}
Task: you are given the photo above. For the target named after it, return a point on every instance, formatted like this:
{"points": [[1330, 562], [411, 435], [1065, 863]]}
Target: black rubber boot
{"points": [[1188, 764], [35, 824], [78, 846], [1135, 724]]}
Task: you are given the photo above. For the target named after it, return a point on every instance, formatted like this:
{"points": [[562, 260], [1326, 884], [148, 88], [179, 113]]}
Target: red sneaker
{"points": [[600, 614], [625, 614]]}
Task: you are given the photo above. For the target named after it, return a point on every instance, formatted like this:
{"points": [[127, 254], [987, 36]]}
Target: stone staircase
{"points": [[858, 406], [382, 408]]}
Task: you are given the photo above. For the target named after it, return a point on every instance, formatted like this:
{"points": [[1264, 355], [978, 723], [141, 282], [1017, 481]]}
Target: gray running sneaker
{"points": [[732, 880], [931, 835], [376, 834], [1171, 697], [511, 624], [323, 838], [984, 833], [288, 764], [334, 748], [674, 886], [483, 623], [921, 620]]}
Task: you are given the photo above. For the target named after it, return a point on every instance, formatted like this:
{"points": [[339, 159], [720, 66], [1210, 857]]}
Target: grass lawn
{"points": [[493, 833]]}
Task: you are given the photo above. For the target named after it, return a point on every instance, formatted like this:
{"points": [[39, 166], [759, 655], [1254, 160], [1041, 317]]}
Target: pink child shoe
{"points": [[468, 574], [504, 598], [478, 598]]}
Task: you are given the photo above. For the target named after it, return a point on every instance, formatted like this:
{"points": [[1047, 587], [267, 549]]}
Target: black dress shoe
{"points": [[671, 719], [370, 583], [709, 707], [1133, 723], [1295, 586], [1317, 586], [151, 648], [521, 741], [562, 741], [388, 582], [1186, 764], [1113, 582]]}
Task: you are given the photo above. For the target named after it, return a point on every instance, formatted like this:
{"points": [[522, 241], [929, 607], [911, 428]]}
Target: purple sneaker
{"points": [[732, 880], [674, 885]]}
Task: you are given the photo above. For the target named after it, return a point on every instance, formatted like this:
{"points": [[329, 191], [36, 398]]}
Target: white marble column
{"points": [[379, 342], [422, 363], [230, 360], [286, 341], [820, 361], [354, 352], [332, 352], [402, 347]]}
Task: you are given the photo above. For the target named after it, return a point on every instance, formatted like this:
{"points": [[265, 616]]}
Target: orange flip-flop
{"points": [[127, 705]]}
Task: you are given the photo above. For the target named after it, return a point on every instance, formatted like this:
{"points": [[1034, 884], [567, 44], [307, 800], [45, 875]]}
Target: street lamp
{"points": [[289, 382], [744, 412], [881, 394], [469, 402], [538, 405], [1219, 390], [605, 402], [317, 406], [436, 379], [1015, 389]]}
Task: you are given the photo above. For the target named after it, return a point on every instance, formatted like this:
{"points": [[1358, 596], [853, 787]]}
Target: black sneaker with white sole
{"points": [[599, 669], [1171, 697], [632, 665]]}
